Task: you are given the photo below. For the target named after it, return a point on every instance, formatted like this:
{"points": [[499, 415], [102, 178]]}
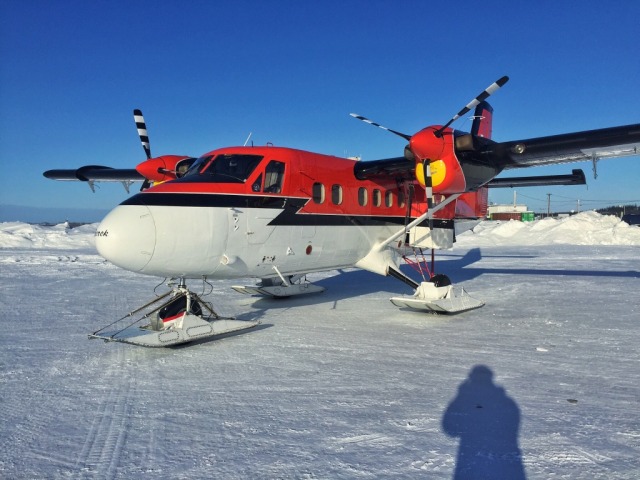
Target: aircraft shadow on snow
{"points": [[354, 283], [347, 284], [459, 268]]}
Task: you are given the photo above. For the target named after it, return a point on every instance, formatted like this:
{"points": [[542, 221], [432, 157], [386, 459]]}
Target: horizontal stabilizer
{"points": [[575, 178]]}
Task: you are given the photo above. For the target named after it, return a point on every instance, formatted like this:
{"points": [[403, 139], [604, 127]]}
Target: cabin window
{"points": [[336, 194], [400, 199], [318, 192], [274, 177], [362, 196], [377, 197], [388, 198], [230, 168]]}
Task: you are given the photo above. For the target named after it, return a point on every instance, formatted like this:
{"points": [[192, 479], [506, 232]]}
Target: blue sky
{"points": [[206, 73]]}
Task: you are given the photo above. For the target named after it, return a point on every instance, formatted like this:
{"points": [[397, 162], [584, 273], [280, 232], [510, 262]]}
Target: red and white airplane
{"points": [[277, 214]]}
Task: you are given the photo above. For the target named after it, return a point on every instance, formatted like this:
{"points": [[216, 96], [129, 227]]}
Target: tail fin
{"points": [[482, 120]]}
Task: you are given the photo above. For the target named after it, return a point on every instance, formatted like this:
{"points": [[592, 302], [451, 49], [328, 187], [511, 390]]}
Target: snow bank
{"points": [[25, 235], [586, 228]]}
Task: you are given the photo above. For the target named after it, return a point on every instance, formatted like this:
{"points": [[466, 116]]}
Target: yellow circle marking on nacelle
{"points": [[420, 174], [438, 173]]}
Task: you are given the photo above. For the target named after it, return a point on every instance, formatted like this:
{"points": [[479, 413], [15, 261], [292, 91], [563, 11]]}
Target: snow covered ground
{"points": [[336, 385]]}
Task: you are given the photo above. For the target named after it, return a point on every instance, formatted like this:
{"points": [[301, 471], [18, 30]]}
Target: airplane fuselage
{"points": [[261, 212]]}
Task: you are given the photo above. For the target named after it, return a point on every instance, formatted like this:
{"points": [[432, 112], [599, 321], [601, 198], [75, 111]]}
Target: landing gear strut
{"points": [[178, 316]]}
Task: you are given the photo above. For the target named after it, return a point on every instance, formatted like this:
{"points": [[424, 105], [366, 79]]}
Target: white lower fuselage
{"points": [[233, 242]]}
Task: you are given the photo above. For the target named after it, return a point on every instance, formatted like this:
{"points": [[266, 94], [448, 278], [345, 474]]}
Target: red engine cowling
{"points": [[164, 168], [438, 148]]}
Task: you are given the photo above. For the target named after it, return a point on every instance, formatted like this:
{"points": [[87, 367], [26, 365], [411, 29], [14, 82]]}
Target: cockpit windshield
{"points": [[225, 168], [196, 166]]}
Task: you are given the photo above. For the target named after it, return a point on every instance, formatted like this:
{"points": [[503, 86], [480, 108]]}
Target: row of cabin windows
{"points": [[318, 194]]}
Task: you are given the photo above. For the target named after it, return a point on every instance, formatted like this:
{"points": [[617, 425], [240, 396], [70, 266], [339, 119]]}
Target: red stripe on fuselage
{"points": [[303, 170]]}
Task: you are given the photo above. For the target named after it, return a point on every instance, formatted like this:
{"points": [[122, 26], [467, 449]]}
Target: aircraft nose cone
{"points": [[127, 237]]}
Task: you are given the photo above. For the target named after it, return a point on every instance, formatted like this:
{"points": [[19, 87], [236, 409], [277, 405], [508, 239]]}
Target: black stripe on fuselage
{"points": [[290, 206], [212, 200]]}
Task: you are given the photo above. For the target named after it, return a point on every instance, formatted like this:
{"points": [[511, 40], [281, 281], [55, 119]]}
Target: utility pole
{"points": [[548, 204]]}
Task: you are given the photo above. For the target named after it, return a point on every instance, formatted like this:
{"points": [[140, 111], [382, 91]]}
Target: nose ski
{"points": [[179, 316]]}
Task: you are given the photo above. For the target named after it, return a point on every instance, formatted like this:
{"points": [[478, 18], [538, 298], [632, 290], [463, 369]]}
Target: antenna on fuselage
{"points": [[247, 140]]}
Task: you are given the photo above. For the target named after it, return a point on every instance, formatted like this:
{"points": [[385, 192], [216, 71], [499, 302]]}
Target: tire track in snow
{"points": [[106, 439], [27, 418], [23, 439]]}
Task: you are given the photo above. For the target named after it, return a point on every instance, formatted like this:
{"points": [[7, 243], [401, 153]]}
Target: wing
{"points": [[96, 173], [400, 168], [571, 147]]}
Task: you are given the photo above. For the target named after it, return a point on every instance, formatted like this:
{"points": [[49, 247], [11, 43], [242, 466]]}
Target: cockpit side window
{"points": [[257, 184], [274, 177], [231, 168], [183, 166]]}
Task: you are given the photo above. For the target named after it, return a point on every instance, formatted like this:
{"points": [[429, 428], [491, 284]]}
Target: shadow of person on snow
{"points": [[487, 421]]}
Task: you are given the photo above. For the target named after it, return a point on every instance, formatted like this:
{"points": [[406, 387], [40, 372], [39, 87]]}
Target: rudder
{"points": [[482, 120]]}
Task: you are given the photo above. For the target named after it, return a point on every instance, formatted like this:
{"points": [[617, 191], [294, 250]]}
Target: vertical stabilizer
{"points": [[482, 120]]}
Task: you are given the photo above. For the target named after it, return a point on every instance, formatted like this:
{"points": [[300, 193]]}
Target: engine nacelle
{"points": [[164, 168], [438, 148]]}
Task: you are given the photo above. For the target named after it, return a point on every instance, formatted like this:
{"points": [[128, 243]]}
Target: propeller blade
{"points": [[483, 96], [428, 184], [142, 131], [370, 122]]}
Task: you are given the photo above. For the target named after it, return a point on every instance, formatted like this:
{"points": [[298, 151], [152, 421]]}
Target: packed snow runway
{"points": [[340, 384]]}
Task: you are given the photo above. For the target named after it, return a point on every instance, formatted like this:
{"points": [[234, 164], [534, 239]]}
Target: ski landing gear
{"points": [[439, 296], [280, 287], [435, 294], [178, 319]]}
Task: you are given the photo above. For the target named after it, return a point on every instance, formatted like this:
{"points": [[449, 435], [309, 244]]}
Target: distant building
{"points": [[510, 212]]}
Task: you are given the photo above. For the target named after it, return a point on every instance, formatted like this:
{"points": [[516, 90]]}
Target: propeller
{"points": [[426, 147], [483, 96], [371, 122], [144, 138], [428, 182], [142, 131], [438, 133]]}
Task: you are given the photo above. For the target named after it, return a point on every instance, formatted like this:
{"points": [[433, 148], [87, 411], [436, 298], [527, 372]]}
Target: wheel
{"points": [[440, 280], [178, 306]]}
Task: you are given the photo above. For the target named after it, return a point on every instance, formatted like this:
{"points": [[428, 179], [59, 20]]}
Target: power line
{"points": [[581, 199]]}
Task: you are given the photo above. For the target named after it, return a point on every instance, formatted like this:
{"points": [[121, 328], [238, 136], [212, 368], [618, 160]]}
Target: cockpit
{"points": [[237, 168], [225, 168]]}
